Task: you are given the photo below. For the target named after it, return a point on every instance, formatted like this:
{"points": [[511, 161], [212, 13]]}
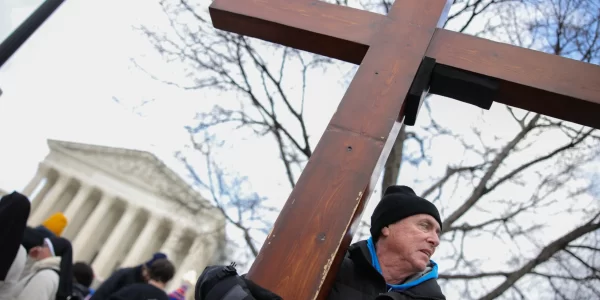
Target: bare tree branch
{"points": [[546, 253]]}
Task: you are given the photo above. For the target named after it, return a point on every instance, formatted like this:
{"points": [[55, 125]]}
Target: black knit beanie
{"points": [[156, 256], [399, 202]]}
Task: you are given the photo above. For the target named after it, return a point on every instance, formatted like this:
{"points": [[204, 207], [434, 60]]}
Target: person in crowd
{"points": [[179, 293], [188, 280], [32, 238], [160, 273], [51, 276], [83, 276], [54, 225], [394, 263], [14, 211], [124, 277]]}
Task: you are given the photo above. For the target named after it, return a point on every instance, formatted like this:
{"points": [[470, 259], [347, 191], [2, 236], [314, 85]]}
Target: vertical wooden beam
{"points": [[301, 255]]}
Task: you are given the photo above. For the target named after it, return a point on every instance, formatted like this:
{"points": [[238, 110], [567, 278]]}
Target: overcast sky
{"points": [[61, 82]]}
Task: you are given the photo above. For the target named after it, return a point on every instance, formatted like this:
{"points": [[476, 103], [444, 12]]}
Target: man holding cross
{"points": [[394, 263], [403, 56]]}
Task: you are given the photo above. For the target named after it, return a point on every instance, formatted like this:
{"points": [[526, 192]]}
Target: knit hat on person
{"points": [[178, 294], [56, 223], [156, 256], [400, 202], [32, 238]]}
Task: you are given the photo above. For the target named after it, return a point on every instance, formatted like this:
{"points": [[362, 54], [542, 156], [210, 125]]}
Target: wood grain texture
{"points": [[549, 84], [552, 85], [301, 255], [335, 31]]}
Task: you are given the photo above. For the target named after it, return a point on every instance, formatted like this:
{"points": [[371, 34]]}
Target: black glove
{"points": [[259, 292], [223, 283]]}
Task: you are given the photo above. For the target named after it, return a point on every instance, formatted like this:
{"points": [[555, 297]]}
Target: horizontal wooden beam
{"points": [[327, 29], [536, 81], [552, 85]]}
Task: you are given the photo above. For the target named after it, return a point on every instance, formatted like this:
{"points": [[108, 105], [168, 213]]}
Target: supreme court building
{"points": [[123, 205]]}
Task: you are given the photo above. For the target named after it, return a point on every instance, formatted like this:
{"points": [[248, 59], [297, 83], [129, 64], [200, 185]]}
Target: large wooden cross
{"points": [[402, 56]]}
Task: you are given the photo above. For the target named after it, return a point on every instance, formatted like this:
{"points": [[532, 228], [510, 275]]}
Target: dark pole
{"points": [[14, 41]]}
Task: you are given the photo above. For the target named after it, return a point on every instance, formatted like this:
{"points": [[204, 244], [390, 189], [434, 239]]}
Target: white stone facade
{"points": [[123, 205]]}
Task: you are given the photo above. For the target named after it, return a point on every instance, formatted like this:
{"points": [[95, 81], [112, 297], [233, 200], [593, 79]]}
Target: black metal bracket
{"points": [[418, 90], [438, 79]]}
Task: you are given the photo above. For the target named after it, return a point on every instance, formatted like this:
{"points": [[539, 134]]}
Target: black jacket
{"points": [[80, 290], [357, 279], [139, 291], [117, 281]]}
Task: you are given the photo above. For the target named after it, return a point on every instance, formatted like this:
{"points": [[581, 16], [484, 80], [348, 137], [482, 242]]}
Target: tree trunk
{"points": [[394, 161]]}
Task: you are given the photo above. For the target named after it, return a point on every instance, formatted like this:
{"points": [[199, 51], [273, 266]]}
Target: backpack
{"points": [[76, 295], [79, 290]]}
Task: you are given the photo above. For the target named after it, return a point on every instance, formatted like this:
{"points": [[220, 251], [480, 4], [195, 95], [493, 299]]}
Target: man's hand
{"points": [[223, 283], [259, 292]]}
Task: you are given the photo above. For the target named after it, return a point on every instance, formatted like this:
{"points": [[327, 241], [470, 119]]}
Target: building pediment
{"points": [[139, 168]]}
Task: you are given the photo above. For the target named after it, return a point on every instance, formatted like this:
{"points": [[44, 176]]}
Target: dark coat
{"points": [[117, 281], [357, 279], [14, 211], [45, 231], [80, 290], [139, 291]]}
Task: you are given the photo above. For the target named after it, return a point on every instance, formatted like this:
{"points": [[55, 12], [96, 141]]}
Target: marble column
{"points": [[49, 201], [74, 208], [75, 205], [40, 174], [104, 263], [169, 247], [142, 242], [195, 259], [81, 247]]}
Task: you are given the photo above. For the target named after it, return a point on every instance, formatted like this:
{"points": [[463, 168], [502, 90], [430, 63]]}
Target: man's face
{"points": [[40, 252], [145, 273], [414, 239]]}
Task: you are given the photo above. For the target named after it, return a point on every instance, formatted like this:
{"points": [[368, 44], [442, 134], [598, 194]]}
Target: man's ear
{"points": [[385, 231], [34, 252]]}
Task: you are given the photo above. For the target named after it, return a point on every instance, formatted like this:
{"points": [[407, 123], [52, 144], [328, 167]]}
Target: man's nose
{"points": [[434, 240]]}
